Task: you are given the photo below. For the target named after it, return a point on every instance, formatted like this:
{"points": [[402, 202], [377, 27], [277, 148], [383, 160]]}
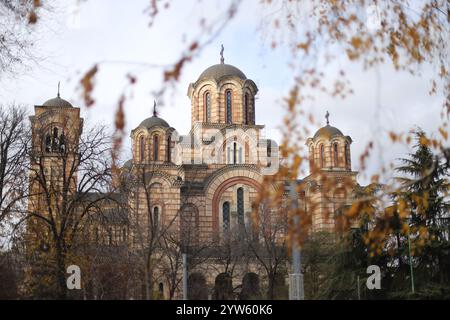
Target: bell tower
{"points": [[330, 185], [56, 127]]}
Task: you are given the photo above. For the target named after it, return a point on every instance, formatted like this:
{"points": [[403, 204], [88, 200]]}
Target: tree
{"points": [[14, 142], [266, 240], [423, 203], [16, 31], [60, 199]]}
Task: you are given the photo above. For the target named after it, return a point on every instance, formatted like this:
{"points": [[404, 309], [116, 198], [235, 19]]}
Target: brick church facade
{"points": [[201, 185]]}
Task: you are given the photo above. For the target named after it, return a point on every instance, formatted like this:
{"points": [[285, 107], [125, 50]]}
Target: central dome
{"points": [[221, 70]]}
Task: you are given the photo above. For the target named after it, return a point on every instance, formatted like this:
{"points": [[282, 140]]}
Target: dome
{"points": [[57, 102], [128, 164], [221, 70], [154, 121], [328, 132]]}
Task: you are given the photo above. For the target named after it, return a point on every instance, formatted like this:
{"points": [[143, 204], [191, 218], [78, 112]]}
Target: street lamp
{"points": [[296, 290]]}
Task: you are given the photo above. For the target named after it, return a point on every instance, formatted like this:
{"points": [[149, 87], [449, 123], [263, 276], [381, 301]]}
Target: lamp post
{"points": [[410, 264], [296, 290]]}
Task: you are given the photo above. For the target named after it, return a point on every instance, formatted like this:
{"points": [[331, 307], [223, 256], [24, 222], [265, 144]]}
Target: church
{"points": [[201, 186]]}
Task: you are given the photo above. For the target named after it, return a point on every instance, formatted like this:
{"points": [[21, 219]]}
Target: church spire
{"points": [[327, 116], [58, 89], [222, 59]]}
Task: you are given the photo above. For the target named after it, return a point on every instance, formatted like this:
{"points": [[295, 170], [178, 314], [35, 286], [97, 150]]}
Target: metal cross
{"points": [[222, 60]]}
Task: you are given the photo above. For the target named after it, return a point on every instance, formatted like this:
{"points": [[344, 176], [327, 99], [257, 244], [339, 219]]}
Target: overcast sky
{"points": [[73, 37]]}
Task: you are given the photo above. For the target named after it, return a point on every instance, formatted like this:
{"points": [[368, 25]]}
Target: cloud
{"points": [[117, 36]]}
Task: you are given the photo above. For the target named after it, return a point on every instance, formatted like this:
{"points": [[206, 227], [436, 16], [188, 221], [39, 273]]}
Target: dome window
{"points": [[141, 148], [246, 117], [228, 95], [335, 154], [207, 110], [155, 147], [322, 156]]}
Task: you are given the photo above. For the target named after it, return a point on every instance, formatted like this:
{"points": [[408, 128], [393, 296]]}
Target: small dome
{"points": [[328, 132], [128, 164], [154, 121], [57, 102], [221, 70]]}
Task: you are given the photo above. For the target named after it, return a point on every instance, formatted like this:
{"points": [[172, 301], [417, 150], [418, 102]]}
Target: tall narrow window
{"points": [[226, 217], [347, 155], [155, 148], [251, 109], [234, 153], [322, 156], [169, 150], [311, 158], [141, 148], [246, 108], [155, 217], [335, 155], [240, 206], [229, 107], [207, 110]]}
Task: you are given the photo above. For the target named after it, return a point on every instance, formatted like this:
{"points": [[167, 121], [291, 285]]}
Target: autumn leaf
{"points": [[87, 85]]}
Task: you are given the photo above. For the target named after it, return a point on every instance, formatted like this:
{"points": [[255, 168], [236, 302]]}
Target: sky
{"points": [[75, 35]]}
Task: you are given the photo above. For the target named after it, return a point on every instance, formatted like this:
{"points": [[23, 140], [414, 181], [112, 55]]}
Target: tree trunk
{"points": [[61, 272], [149, 280]]}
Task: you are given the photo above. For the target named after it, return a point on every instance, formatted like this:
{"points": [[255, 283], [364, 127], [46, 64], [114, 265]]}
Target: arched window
{"points": [[155, 217], [251, 109], [234, 152], [207, 110], [246, 118], [141, 148], [155, 148], [335, 154], [226, 218], [228, 95], [347, 155], [161, 288], [322, 156], [311, 158], [169, 151], [240, 206]]}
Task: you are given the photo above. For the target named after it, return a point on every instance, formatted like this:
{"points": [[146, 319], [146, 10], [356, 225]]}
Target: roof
{"points": [[221, 70], [128, 164], [328, 132], [57, 102], [154, 121]]}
